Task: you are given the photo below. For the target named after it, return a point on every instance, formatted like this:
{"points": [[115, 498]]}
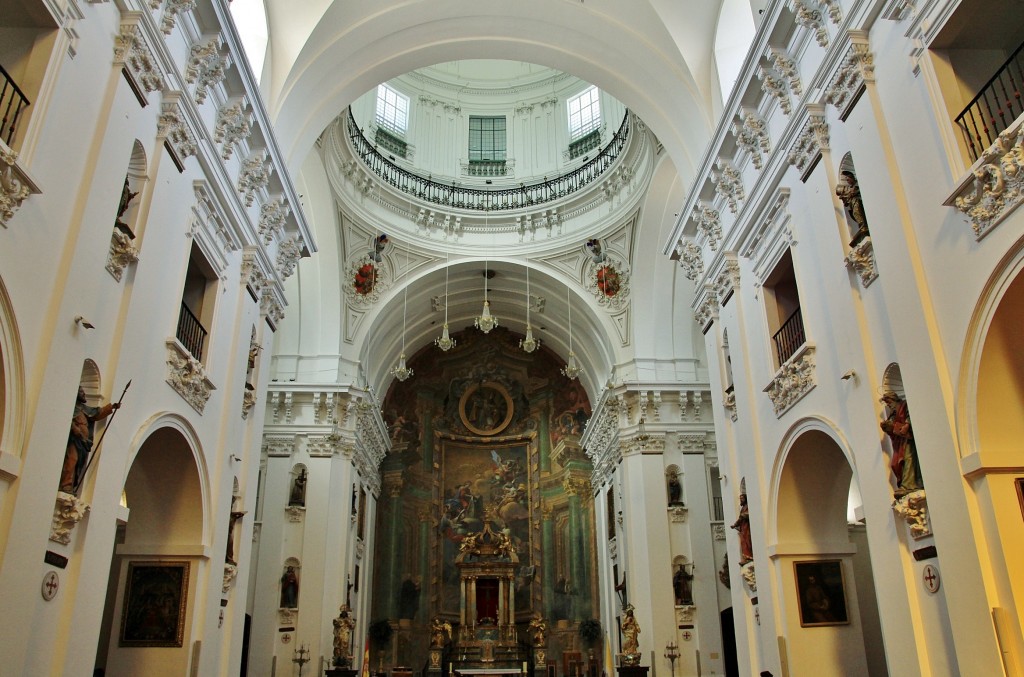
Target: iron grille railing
{"points": [[585, 144], [716, 505], [789, 337], [12, 102], [191, 332], [995, 107], [479, 199], [391, 143]]}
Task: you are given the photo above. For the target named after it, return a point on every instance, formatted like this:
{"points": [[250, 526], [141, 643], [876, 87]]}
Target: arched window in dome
{"points": [[584, 112]]}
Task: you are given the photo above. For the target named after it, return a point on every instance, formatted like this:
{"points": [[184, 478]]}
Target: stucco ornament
{"points": [[14, 186], [67, 513], [172, 9], [752, 136], [749, 577], [230, 572], [608, 280], [811, 19], [248, 402], [171, 126], [709, 222], [690, 259], [288, 255], [793, 380], [122, 253], [998, 184], [133, 52], [775, 86], [187, 376], [206, 67], [913, 508], [861, 260], [273, 215], [232, 128], [255, 175], [728, 184]]}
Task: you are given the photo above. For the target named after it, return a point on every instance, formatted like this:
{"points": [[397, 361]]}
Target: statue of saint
{"points": [[290, 589], [538, 630], [681, 586], [343, 626], [630, 633], [904, 452], [440, 632], [742, 525], [298, 495], [80, 441]]}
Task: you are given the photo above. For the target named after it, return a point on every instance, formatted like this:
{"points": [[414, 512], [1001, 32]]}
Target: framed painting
{"points": [[1019, 482], [155, 600], [821, 593]]}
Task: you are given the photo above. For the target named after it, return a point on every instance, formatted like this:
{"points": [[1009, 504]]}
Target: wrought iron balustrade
{"points": [[12, 102], [191, 332], [995, 107], [789, 337], [719, 511], [453, 195]]}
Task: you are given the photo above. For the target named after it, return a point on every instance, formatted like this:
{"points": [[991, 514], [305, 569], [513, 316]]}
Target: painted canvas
{"points": [[821, 593], [155, 600]]}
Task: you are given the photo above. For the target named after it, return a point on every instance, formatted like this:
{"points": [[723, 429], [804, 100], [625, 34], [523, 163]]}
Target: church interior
{"points": [[557, 338]]}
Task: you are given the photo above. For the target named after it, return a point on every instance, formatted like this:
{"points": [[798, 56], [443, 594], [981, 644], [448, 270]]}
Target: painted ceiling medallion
{"points": [[608, 280], [607, 277]]}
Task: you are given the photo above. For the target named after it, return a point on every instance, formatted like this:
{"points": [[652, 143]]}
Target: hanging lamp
{"points": [[528, 344], [402, 372], [446, 342], [486, 322], [571, 369]]}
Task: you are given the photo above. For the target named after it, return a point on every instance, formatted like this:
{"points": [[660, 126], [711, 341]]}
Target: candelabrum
{"points": [[671, 653], [301, 657]]}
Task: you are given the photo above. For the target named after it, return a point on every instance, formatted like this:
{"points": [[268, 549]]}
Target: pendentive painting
{"points": [[155, 599]]}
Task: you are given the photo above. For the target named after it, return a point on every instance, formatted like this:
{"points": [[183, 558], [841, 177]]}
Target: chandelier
{"points": [[446, 342], [572, 369], [486, 322], [528, 344], [400, 371]]}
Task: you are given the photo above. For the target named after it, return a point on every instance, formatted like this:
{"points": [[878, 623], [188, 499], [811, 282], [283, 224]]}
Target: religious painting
{"points": [[155, 597], [609, 281], [821, 593], [486, 408], [481, 479]]}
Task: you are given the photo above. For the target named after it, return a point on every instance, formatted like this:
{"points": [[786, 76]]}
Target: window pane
{"points": [[392, 109], [584, 112]]}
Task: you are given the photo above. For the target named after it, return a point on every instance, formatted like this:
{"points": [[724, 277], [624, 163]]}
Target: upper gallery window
{"points": [[584, 112], [486, 139], [392, 109]]}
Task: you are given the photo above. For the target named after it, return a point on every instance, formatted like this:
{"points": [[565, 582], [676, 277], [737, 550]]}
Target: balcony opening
{"points": [[782, 304], [197, 301], [27, 36]]}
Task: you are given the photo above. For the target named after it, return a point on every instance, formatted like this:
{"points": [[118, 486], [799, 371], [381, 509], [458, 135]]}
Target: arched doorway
{"points": [[157, 561], [826, 590]]}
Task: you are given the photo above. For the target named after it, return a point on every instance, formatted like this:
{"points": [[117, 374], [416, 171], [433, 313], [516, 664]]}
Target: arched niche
{"points": [[12, 383], [848, 192], [814, 558]]}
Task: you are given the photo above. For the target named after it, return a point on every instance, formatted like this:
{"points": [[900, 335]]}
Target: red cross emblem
{"points": [[687, 635], [931, 578], [51, 583]]}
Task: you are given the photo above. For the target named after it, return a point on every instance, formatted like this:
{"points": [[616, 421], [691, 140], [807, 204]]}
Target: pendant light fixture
{"points": [[528, 344], [402, 372], [486, 322], [572, 369], [445, 343]]}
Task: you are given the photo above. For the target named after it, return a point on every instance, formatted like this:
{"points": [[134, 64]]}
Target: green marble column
{"points": [[393, 487], [544, 434], [547, 543], [425, 409], [576, 564], [587, 584], [425, 522]]}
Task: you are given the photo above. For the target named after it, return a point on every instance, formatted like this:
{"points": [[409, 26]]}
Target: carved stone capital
{"points": [[707, 311], [173, 128], [67, 513], [997, 187], [858, 67], [861, 260], [794, 379], [187, 376]]}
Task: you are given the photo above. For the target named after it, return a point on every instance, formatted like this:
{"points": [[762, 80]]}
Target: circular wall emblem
{"points": [[486, 408], [51, 584], [930, 575]]}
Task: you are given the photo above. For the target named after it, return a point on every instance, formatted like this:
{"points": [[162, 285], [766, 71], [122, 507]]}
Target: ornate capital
{"points": [[173, 128], [255, 175], [858, 67], [576, 486], [707, 311], [812, 140], [133, 54], [206, 67], [728, 184], [811, 19], [793, 380], [233, 126], [752, 136]]}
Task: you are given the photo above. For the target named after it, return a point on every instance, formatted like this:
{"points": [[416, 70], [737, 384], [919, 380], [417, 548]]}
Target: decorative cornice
{"points": [[997, 187], [173, 128], [794, 379]]}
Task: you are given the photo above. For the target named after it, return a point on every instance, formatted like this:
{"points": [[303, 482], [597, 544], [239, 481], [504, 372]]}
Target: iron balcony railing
{"points": [[12, 102], [456, 196], [191, 332], [716, 504], [995, 107], [789, 337]]}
